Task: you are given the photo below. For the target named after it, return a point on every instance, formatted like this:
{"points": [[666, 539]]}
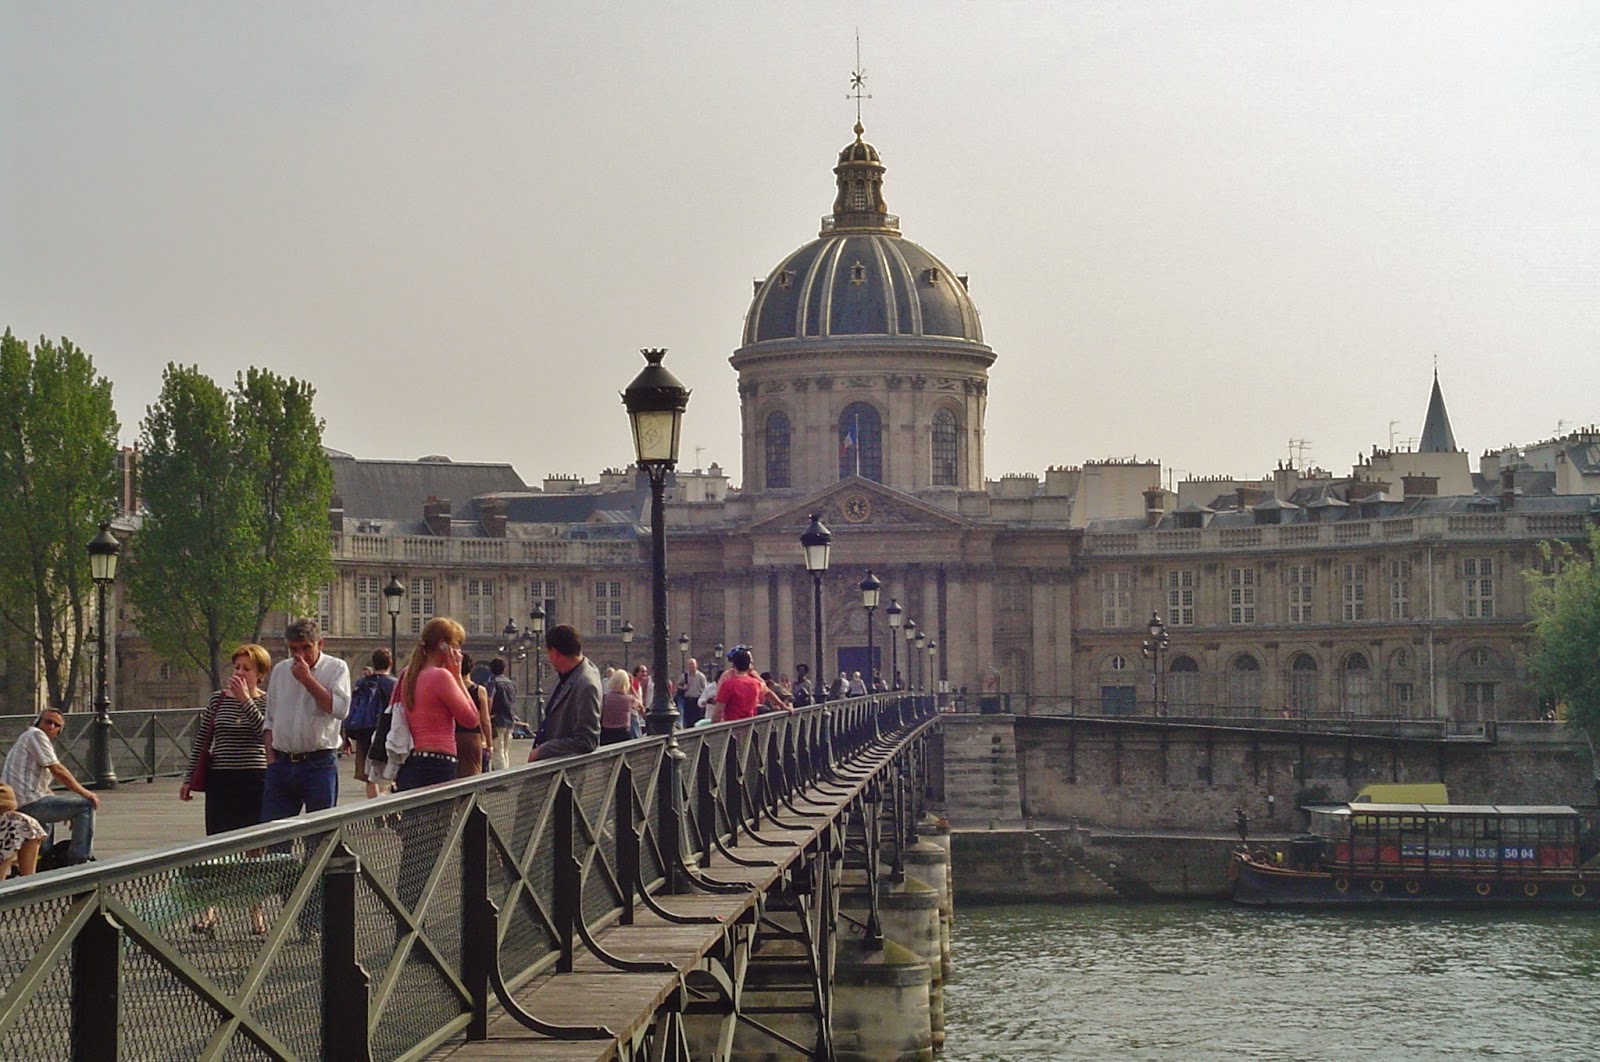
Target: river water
{"points": [[1212, 981]]}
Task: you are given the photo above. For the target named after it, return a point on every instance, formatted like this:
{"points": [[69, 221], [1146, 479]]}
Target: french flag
{"points": [[848, 443]]}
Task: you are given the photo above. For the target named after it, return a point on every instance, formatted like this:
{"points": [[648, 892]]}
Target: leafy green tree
{"points": [[58, 446], [189, 575], [1566, 623], [236, 489]]}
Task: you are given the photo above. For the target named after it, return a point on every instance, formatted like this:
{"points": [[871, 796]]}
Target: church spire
{"points": [[1437, 438]]}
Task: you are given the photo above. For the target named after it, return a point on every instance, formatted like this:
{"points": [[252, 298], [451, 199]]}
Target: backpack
{"points": [[367, 702]]}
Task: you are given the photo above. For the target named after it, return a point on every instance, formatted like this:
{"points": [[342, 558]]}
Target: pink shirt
{"points": [[441, 705]]}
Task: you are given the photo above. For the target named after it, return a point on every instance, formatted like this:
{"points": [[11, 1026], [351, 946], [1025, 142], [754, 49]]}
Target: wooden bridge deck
{"points": [[597, 994]]}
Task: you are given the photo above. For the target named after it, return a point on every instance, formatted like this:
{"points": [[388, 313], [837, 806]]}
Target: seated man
{"points": [[29, 768]]}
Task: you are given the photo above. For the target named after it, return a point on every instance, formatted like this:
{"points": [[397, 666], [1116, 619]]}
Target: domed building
{"points": [[862, 355]]}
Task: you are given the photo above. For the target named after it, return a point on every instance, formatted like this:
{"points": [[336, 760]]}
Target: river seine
{"points": [[1212, 981]]}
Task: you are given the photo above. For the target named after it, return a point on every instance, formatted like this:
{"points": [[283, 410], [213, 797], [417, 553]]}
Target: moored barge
{"points": [[1459, 854]]}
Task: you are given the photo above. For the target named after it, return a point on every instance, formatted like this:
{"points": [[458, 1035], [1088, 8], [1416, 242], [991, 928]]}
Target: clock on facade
{"points": [[857, 507]]}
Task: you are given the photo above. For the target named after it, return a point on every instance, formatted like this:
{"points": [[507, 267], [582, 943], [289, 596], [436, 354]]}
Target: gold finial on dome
{"points": [[859, 128]]}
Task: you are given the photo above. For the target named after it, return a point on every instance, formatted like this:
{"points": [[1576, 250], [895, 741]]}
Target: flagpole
{"points": [[857, 432]]}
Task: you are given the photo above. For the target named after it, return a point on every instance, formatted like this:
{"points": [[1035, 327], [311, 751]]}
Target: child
{"points": [[20, 836]]}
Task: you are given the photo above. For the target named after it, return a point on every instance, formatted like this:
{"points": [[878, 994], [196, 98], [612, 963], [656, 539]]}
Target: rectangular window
{"points": [[1404, 694], [421, 598], [1180, 599], [1355, 593], [369, 606], [1302, 577], [1116, 599], [1478, 695], [325, 609], [1241, 595], [1478, 576], [481, 614], [608, 618], [1399, 589], [542, 592]]}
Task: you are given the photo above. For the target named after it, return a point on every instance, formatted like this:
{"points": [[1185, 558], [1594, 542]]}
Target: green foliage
{"points": [[236, 489], [58, 445], [1566, 622]]}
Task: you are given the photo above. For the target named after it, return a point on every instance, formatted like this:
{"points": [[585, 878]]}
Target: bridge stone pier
{"points": [[769, 889]]}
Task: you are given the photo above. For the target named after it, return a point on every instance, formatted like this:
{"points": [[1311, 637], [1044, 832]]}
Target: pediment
{"points": [[860, 504]]}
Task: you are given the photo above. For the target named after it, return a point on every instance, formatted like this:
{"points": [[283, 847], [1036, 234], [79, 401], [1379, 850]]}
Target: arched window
{"points": [[777, 449], [861, 442], [946, 449], [1183, 683], [1244, 683], [1359, 693], [1303, 685]]}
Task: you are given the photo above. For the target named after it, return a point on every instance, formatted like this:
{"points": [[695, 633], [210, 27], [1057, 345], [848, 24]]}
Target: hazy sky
{"points": [[1194, 231]]}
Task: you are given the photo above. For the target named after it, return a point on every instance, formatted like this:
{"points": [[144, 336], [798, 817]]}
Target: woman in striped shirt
{"points": [[237, 768]]}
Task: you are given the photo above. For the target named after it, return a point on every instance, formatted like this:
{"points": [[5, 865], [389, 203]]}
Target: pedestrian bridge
{"points": [[704, 896]]}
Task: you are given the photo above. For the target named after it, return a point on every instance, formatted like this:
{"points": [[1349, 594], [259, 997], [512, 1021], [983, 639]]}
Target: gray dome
{"points": [[861, 284]]}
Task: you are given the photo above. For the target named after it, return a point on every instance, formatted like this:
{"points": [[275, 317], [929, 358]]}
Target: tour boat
{"points": [[1463, 854]]}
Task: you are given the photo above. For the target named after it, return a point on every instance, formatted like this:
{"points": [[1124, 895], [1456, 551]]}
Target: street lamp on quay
{"points": [[933, 667], [103, 553], [896, 616], [393, 591], [815, 542], [921, 643], [1154, 649], [910, 631], [871, 588], [683, 654], [655, 401], [536, 636], [627, 641]]}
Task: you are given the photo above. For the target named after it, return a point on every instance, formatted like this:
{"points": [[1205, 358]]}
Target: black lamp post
{"points": [[815, 541], [655, 401], [683, 654], [393, 591], [1154, 648], [870, 591], [627, 641], [933, 667], [103, 552], [536, 635], [911, 663], [920, 642], [896, 616]]}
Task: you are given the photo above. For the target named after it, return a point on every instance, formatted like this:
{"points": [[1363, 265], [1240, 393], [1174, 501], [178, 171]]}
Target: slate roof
{"points": [[395, 490], [1437, 438]]}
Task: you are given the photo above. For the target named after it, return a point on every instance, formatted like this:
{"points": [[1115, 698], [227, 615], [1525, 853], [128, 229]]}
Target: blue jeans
{"points": [[67, 807], [310, 784], [420, 771]]}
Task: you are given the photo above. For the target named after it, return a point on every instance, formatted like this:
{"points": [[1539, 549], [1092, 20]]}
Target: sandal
{"points": [[205, 925]]}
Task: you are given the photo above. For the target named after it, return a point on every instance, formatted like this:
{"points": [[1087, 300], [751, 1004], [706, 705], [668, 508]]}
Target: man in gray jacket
{"points": [[572, 715]]}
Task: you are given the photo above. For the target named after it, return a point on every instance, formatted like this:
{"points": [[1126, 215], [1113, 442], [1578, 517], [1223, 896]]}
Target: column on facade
{"points": [[761, 619], [983, 627], [1042, 625], [784, 658], [680, 615], [930, 598], [732, 615]]}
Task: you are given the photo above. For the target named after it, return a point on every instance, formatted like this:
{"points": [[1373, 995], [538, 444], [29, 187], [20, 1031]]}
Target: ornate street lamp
{"points": [[536, 633], [393, 591], [655, 401], [103, 553], [1154, 648], [910, 631], [870, 591], [627, 640], [815, 542], [933, 667], [683, 654], [920, 642], [896, 616], [508, 634]]}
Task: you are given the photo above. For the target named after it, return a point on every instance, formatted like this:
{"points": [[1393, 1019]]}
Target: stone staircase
{"points": [[980, 772]]}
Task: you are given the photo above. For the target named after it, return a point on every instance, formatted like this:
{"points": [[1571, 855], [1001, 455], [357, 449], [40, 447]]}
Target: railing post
{"points": [[568, 888], [97, 990], [150, 745], [706, 804], [345, 984], [628, 856], [669, 816], [478, 929]]}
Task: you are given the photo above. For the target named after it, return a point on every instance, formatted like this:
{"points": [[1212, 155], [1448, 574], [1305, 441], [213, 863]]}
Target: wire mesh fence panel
{"points": [[525, 897], [645, 763], [43, 1025]]}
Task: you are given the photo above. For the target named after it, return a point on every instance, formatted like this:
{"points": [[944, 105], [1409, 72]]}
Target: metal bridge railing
{"points": [[387, 925], [145, 745]]}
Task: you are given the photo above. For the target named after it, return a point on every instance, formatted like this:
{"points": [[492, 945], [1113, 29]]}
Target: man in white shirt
{"points": [[308, 697], [28, 770]]}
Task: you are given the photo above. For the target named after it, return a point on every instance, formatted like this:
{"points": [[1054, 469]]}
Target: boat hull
{"points": [[1262, 885]]}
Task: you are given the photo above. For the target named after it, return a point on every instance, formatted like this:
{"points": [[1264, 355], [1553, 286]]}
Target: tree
{"points": [[236, 489], [1566, 623], [58, 446]]}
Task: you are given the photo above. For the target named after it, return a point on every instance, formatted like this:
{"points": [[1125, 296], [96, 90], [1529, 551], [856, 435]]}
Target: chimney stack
{"points": [[1155, 506], [1420, 486], [492, 513], [1508, 489], [1249, 496], [436, 514]]}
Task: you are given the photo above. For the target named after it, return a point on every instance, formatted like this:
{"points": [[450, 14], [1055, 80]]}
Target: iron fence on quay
{"points": [[145, 745], [383, 928]]}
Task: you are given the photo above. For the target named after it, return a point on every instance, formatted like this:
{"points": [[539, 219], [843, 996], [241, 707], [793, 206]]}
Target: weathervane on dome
{"points": [[858, 81]]}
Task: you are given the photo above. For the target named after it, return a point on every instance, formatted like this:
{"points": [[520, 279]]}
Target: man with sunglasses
{"points": [[29, 768]]}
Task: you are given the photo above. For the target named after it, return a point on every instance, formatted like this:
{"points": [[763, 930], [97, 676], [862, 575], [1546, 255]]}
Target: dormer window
{"points": [[858, 273], [932, 276], [785, 278]]}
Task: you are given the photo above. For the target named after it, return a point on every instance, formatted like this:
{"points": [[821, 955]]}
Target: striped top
{"points": [[236, 735]]}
